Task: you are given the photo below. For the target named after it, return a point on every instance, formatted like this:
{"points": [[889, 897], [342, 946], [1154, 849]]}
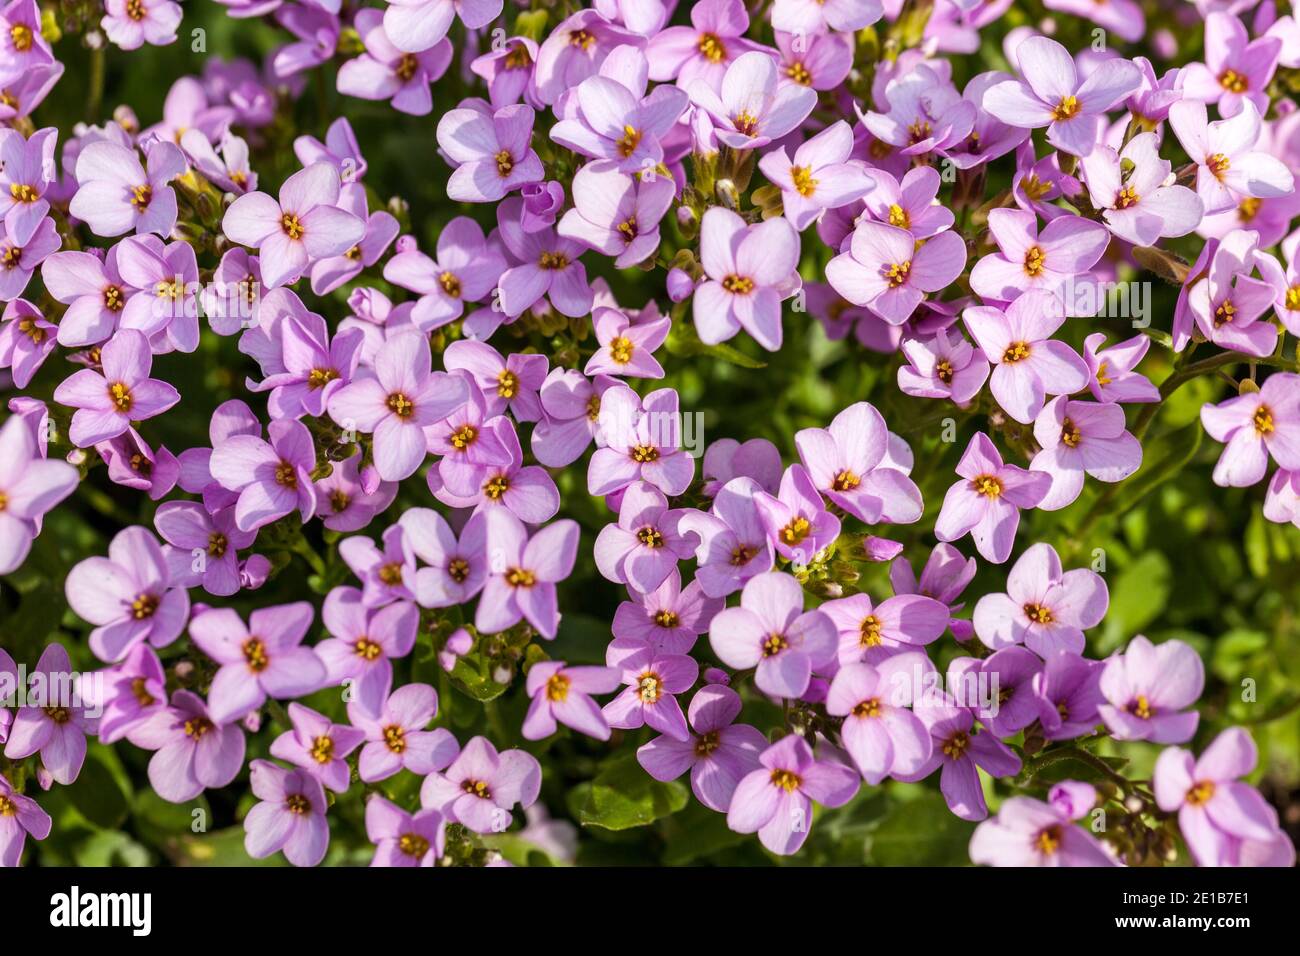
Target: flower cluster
{"points": [[418, 441]]}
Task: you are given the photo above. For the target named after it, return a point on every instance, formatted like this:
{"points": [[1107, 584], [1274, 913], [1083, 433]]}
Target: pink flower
{"points": [[1113, 376], [22, 816], [416, 25], [771, 632], [116, 194], [880, 733], [885, 271], [1255, 425], [1236, 68], [1028, 832], [397, 402], [820, 175], [670, 618], [456, 570], [1051, 94], [1069, 246], [291, 816], [58, 728], [1079, 438], [1131, 189], [796, 519], [404, 839], [304, 226], [482, 786], [130, 24], [751, 108], [396, 738], [1229, 168], [1147, 689], [107, 402], [490, 151], [1044, 608], [869, 631], [364, 641], [911, 204], [562, 693], [523, 573], [627, 348], [653, 678], [1028, 364], [192, 751], [617, 214], [643, 442], [944, 366], [986, 502], [750, 270], [30, 486], [271, 478], [385, 72]]}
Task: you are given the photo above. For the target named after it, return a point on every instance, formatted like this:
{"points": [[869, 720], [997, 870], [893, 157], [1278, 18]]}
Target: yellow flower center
{"points": [[557, 688], [520, 578], [804, 184], [867, 708], [505, 163], [1070, 434], [291, 225], [322, 749], [738, 285], [987, 485], [255, 655], [774, 644], [798, 529], [711, 48], [120, 395], [1034, 260], [1066, 109], [787, 780], [1234, 82]]}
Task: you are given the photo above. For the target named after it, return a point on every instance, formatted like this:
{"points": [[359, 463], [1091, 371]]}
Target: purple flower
{"points": [[775, 800], [727, 458], [130, 693], [384, 72], [642, 442], [891, 625], [1028, 832], [290, 816], [26, 340], [811, 17], [318, 746], [130, 24], [719, 752], [25, 175], [455, 571], [364, 641], [116, 194], [380, 231], [925, 115], [575, 50], [627, 348], [506, 383], [653, 678], [944, 577], [386, 574], [643, 548], [21, 259], [911, 204], [880, 733], [1028, 363], [734, 546], [19, 816], [750, 270], [271, 478], [796, 520], [57, 728], [342, 500], [395, 735], [570, 416], [490, 152], [314, 368], [819, 177], [987, 500], [23, 46], [771, 632], [751, 108], [610, 117], [396, 405], [821, 62], [545, 265], [1014, 672], [886, 272], [1079, 437], [705, 49], [1068, 689], [945, 366], [1044, 608], [1147, 688], [1228, 167], [1069, 246], [193, 751], [523, 573], [1253, 426], [129, 596], [1051, 94], [958, 750], [258, 660], [1219, 816], [30, 485], [134, 464], [1113, 376], [304, 226], [401, 838], [508, 70], [109, 401], [466, 270], [617, 214], [670, 617], [417, 25], [851, 464], [1236, 68], [1130, 189], [562, 693], [481, 786]]}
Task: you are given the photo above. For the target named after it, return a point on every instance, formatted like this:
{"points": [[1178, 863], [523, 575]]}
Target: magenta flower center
{"points": [[463, 437], [140, 691]]}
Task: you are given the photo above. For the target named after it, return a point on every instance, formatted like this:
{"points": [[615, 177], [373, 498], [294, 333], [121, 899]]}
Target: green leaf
{"points": [[697, 832], [623, 796], [921, 832], [1138, 596], [97, 795], [1162, 459]]}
